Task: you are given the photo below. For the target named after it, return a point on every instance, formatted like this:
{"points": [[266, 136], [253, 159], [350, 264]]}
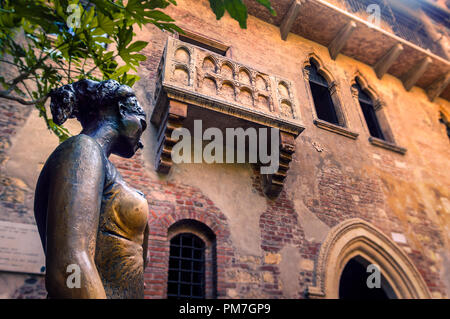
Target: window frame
{"points": [[342, 127], [209, 238], [379, 109], [180, 258]]}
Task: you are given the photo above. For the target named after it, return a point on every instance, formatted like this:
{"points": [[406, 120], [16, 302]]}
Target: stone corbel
{"points": [[273, 184], [171, 120]]}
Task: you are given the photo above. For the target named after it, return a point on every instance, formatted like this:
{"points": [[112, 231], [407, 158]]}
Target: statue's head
{"points": [[102, 103]]}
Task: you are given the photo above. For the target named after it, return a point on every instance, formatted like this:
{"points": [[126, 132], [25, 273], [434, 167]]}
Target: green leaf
{"points": [[138, 57], [137, 46], [217, 7], [158, 15], [88, 16], [105, 23], [103, 40], [266, 3], [238, 11], [121, 70]]}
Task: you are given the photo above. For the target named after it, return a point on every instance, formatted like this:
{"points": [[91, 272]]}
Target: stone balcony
{"points": [[193, 83]]}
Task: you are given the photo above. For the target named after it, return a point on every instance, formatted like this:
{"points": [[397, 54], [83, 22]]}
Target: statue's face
{"points": [[131, 125]]}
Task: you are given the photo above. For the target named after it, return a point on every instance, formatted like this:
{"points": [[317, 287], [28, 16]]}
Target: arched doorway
{"points": [[353, 282], [356, 243]]}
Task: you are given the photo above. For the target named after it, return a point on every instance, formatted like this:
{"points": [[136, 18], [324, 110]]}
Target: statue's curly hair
{"points": [[84, 99]]}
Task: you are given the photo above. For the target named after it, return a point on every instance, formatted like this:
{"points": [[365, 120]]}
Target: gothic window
{"points": [[320, 91], [368, 109]]}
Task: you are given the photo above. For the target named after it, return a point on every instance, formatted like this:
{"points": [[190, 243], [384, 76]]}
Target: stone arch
{"points": [[362, 81], [209, 85], [209, 64], [261, 83], [356, 237], [181, 74], [284, 89], [205, 220], [321, 69], [286, 108], [227, 70], [245, 76], [183, 54], [246, 95], [228, 90]]}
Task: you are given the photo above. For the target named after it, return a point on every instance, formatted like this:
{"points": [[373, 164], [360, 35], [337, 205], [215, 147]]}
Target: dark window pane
{"points": [[366, 103], [176, 240], [323, 103], [186, 264], [172, 289], [371, 120], [174, 251], [185, 290], [198, 278], [198, 254], [187, 252], [173, 275], [198, 265], [321, 95], [186, 241], [174, 263], [186, 271], [186, 276], [197, 291]]}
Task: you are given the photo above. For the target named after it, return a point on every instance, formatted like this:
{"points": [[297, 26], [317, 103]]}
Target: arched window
{"points": [[192, 269], [320, 91], [186, 267], [368, 109], [344, 256]]}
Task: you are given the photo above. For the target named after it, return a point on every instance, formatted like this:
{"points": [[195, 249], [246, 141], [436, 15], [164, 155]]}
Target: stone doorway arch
{"points": [[356, 237]]}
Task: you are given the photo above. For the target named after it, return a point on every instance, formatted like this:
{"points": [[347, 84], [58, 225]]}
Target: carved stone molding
{"points": [[356, 237], [335, 129], [273, 184], [387, 145]]}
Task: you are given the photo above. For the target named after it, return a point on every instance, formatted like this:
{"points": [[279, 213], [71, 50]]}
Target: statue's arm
{"points": [[74, 202]]}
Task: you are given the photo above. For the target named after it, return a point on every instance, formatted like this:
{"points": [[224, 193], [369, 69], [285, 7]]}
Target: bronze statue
{"points": [[86, 214]]}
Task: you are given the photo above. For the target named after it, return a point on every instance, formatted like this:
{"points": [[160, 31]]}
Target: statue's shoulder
{"points": [[80, 146]]}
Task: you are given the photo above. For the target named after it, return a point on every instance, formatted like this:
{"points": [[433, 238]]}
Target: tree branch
{"points": [[5, 95]]}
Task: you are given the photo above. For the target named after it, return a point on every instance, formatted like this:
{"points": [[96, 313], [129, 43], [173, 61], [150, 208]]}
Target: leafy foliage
{"points": [[236, 9], [49, 43]]}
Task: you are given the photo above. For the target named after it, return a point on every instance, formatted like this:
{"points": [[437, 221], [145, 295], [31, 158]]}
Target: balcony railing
{"points": [[206, 79]]}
